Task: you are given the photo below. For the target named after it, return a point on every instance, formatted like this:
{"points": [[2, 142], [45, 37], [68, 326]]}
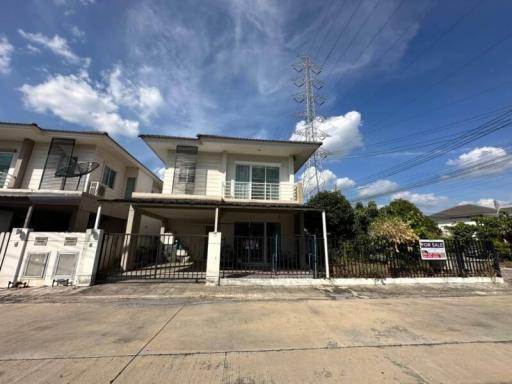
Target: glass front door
{"points": [[257, 243]]}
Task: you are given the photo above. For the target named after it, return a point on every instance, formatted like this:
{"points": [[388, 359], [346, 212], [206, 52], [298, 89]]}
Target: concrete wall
{"points": [[50, 246]]}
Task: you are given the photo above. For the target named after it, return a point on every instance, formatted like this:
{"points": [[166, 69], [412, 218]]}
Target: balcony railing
{"points": [[7, 180], [262, 191]]}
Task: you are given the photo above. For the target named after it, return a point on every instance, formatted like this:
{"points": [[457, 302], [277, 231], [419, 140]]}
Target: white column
{"points": [[326, 251], [213, 259], [98, 217]]}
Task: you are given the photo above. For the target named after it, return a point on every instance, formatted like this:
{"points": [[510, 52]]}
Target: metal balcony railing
{"points": [[260, 191], [7, 180]]}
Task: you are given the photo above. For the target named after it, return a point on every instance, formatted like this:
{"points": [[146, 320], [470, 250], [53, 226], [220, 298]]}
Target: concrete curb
{"points": [[353, 282]]}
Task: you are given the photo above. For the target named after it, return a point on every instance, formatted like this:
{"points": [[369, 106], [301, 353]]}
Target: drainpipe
{"points": [[216, 225], [28, 216], [98, 217], [326, 251]]}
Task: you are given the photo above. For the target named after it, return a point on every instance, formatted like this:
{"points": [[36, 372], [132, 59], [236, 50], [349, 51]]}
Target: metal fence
{"points": [[373, 259], [152, 257], [271, 257]]}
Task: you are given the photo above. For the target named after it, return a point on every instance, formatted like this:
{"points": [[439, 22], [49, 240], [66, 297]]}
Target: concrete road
{"points": [[310, 340]]}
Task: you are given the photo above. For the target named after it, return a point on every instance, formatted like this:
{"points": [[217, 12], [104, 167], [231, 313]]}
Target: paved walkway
{"points": [[194, 334]]}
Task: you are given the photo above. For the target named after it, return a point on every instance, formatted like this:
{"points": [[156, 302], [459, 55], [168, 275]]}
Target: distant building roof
{"points": [[463, 211]]}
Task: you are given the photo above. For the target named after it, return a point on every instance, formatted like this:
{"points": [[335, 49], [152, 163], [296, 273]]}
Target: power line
{"points": [[469, 169], [353, 38], [500, 122], [342, 31], [315, 37], [379, 31], [404, 33], [443, 34]]}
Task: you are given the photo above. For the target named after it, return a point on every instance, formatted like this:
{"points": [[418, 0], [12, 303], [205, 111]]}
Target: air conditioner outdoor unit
{"points": [[97, 189]]}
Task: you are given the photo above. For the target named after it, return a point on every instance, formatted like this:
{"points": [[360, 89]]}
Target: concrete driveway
{"points": [[308, 339]]}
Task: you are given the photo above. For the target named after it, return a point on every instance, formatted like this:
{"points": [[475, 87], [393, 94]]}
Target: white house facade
{"points": [[33, 194], [243, 190]]}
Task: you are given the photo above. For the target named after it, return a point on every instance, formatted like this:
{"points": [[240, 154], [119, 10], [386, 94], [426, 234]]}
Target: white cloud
{"points": [[343, 134], [57, 44], [376, 188], [344, 182], [420, 199], [486, 202], [327, 180], [485, 156], [74, 99], [144, 99], [78, 33], [6, 50]]}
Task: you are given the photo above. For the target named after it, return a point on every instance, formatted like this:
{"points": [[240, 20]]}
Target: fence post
{"points": [[326, 251], [495, 259], [459, 258], [213, 258], [315, 258]]}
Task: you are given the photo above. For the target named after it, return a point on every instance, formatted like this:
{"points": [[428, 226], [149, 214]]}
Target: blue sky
{"points": [[224, 67]]}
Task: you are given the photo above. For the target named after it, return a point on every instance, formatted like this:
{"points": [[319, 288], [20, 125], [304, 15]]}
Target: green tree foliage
{"points": [[338, 211], [463, 232], [363, 216], [422, 225]]}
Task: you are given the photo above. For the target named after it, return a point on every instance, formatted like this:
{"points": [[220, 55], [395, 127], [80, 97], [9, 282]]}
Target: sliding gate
{"points": [[161, 257]]}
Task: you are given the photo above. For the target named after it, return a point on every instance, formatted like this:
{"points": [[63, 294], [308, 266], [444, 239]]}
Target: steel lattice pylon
{"points": [[310, 132]]}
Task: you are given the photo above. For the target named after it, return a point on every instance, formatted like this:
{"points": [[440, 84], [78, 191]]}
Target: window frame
{"points": [[108, 175], [45, 265]]}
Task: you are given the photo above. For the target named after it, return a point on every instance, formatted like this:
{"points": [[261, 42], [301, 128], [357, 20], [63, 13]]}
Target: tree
{"points": [[393, 230], [463, 232], [363, 216], [338, 211], [422, 225]]}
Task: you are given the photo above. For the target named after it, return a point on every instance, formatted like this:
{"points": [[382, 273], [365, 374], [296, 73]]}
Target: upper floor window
{"points": [[185, 169], [5, 165], [109, 177], [130, 187]]}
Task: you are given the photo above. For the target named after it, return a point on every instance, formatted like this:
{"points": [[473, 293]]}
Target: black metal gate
{"points": [[141, 257], [272, 257]]}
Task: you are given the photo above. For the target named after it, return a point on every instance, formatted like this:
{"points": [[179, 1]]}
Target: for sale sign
{"points": [[432, 250]]}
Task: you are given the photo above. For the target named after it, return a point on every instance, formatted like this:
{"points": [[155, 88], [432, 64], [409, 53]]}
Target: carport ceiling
{"points": [[184, 213]]}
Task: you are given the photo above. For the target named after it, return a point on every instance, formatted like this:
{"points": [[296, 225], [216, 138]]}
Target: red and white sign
{"points": [[432, 250]]}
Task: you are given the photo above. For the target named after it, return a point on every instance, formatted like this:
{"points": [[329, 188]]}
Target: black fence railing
{"points": [[270, 256], [374, 259], [152, 257]]}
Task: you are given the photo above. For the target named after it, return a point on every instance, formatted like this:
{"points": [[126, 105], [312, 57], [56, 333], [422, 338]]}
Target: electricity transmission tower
{"points": [[309, 84]]}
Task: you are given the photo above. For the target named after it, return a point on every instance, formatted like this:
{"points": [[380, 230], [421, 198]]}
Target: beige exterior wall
{"points": [[35, 167], [213, 169]]}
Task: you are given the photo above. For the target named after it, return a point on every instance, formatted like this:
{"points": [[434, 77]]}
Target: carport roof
{"points": [[212, 203]]}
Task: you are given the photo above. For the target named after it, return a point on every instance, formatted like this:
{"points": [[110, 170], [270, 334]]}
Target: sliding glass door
{"points": [[259, 182]]}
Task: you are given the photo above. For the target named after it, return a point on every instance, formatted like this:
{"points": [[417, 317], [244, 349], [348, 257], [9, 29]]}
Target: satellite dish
{"points": [[77, 169]]}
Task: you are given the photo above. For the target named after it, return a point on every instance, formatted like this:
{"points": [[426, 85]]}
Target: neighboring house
{"points": [[461, 214], [32, 195], [243, 188]]}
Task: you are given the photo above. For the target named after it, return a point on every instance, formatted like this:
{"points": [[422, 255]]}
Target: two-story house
{"points": [[243, 188], [41, 185]]}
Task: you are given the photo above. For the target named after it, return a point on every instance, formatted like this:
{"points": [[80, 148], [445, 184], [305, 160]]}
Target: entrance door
{"points": [[250, 242]]}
